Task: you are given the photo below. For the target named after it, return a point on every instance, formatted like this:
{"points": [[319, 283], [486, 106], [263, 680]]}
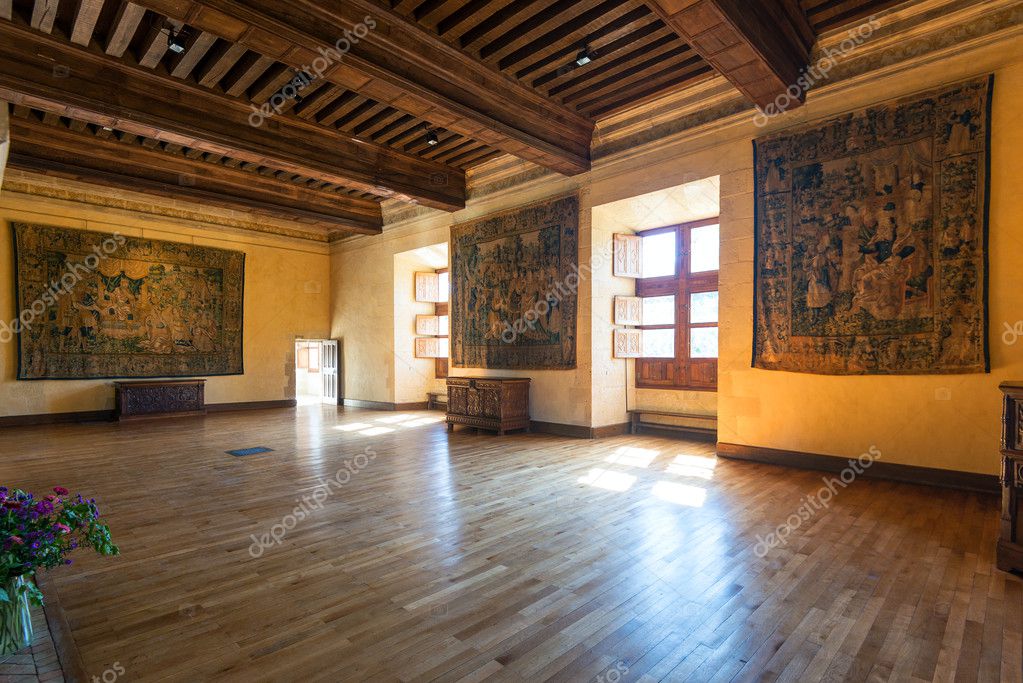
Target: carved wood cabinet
{"points": [[497, 404], [136, 400], [1010, 541]]}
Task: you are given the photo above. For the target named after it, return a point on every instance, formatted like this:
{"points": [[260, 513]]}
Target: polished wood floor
{"points": [[468, 557]]}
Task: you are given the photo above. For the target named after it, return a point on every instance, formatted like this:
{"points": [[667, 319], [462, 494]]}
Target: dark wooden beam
{"points": [[57, 151], [761, 46], [44, 12], [126, 22], [85, 21], [5, 138], [110, 92], [399, 63]]}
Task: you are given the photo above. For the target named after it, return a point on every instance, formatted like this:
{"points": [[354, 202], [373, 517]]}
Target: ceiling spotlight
{"points": [[584, 57], [174, 41], [432, 139]]}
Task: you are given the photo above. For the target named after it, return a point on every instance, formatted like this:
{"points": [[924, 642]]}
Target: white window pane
{"points": [[703, 307], [704, 249], [703, 342], [444, 326], [658, 343], [659, 254], [445, 288], [659, 310]]}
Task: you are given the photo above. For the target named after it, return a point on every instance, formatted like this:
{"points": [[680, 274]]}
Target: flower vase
{"points": [[15, 618]]}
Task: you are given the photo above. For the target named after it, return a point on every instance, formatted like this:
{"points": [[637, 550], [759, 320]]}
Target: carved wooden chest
{"points": [[174, 398], [1010, 541], [497, 404]]}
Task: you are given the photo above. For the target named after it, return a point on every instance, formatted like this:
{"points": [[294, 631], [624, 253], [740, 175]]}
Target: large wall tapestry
{"points": [[94, 305], [514, 288], [871, 231]]}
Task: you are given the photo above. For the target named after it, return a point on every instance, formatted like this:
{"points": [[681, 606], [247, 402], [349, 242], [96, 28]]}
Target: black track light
{"points": [[584, 57], [432, 139]]}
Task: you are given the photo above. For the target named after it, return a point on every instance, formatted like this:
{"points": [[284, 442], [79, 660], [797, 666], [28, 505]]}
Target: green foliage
{"points": [[41, 534]]}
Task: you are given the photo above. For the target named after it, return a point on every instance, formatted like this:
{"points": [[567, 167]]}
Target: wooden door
{"points": [[329, 371]]}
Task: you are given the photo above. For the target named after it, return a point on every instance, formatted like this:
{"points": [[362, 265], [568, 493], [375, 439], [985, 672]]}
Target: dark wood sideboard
{"points": [[485, 403], [152, 399], [1010, 539]]}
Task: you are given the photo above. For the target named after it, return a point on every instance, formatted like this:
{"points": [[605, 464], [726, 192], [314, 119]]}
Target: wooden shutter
{"points": [[428, 287], [628, 343], [628, 256], [628, 310]]}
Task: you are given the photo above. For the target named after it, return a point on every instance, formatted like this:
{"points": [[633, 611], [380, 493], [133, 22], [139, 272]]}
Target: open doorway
{"points": [[316, 371]]}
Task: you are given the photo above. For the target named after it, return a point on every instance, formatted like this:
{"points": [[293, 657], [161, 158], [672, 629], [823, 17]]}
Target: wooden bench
{"points": [[708, 433], [436, 400]]}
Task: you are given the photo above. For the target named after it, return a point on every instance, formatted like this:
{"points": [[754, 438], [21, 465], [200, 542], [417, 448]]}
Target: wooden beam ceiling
{"points": [[761, 46], [40, 71], [61, 151], [5, 138], [400, 64]]}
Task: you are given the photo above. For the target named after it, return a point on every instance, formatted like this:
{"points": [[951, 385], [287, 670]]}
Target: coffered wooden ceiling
{"points": [[429, 89]]}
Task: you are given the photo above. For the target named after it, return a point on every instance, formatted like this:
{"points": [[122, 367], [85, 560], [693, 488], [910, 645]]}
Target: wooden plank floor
{"points": [[468, 557]]}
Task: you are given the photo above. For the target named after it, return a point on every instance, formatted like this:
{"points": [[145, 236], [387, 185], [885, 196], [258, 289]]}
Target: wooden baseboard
{"points": [[1009, 556], [610, 430], [557, 429], [578, 431], [60, 631], [911, 474], [382, 405], [673, 432], [57, 418], [110, 415], [250, 405]]}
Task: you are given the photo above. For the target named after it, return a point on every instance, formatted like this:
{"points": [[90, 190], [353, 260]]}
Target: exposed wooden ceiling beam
{"points": [[126, 22], [761, 46], [44, 12], [57, 151], [85, 21], [399, 63], [112, 93], [5, 138]]}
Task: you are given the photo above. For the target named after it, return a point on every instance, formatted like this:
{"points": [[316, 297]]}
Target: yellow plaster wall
{"points": [[944, 421], [363, 304], [287, 295], [949, 422]]}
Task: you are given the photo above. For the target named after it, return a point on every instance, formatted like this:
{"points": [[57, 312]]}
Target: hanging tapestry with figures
{"points": [[93, 305], [514, 288], [871, 239]]}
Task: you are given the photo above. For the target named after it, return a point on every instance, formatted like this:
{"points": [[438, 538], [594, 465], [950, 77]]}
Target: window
{"points": [[433, 330], [679, 294]]}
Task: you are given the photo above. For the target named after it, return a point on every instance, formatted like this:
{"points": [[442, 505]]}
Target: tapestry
{"points": [[514, 288], [92, 305], [871, 239]]}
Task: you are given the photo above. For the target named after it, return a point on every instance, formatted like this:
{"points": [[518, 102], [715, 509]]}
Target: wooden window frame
{"points": [[681, 372]]}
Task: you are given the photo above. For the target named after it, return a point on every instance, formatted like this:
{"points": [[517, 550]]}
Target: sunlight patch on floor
{"points": [[631, 456], [376, 431], [353, 427], [680, 494], [391, 419], [608, 479], [693, 466], [423, 421]]}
